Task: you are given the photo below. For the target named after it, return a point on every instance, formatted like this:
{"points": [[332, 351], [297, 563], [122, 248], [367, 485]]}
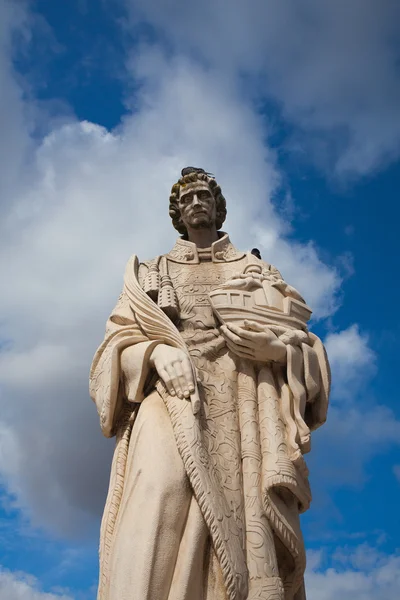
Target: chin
{"points": [[201, 223]]}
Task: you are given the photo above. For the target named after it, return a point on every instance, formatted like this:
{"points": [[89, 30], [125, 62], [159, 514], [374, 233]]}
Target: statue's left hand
{"points": [[254, 342]]}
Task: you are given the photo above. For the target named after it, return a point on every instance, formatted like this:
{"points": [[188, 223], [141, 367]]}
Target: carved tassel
{"points": [[151, 283], [167, 299]]}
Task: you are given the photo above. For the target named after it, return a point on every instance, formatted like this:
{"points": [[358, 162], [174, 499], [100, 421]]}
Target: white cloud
{"points": [[350, 438], [351, 359], [331, 66], [20, 586], [79, 203], [362, 573], [87, 201], [15, 140], [357, 428]]}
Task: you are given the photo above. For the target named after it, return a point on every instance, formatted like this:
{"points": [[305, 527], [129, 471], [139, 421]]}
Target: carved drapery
{"points": [[242, 450]]}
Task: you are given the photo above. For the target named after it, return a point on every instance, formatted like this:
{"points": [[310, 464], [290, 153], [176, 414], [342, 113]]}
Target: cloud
{"points": [[331, 67], [361, 573], [358, 427], [21, 586], [351, 360], [82, 200], [15, 142], [350, 438]]}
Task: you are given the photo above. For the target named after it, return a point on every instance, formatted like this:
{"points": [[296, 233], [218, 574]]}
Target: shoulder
{"points": [[141, 265], [145, 269]]}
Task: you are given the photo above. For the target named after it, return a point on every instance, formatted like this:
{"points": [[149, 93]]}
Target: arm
{"points": [[123, 361], [254, 342], [120, 365], [298, 355]]}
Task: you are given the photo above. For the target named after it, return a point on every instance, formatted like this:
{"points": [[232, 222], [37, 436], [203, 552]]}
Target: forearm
{"points": [[135, 364]]}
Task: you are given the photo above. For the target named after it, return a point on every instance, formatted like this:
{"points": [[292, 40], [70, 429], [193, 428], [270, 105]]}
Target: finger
{"points": [[255, 337], [253, 326], [167, 381], [256, 329], [240, 351], [227, 333], [174, 380], [182, 379], [235, 329], [188, 373], [241, 336]]}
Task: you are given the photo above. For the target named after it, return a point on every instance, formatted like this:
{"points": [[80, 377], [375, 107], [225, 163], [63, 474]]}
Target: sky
{"points": [[294, 105]]}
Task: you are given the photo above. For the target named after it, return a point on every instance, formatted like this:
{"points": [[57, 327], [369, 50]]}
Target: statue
{"points": [[211, 383]]}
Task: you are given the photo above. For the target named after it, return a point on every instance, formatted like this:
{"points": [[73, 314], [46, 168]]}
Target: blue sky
{"points": [[295, 106]]}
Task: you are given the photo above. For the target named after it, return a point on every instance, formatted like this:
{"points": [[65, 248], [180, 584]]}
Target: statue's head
{"points": [[196, 201]]}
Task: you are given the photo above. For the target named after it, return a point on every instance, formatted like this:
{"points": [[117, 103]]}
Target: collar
{"points": [[221, 251]]}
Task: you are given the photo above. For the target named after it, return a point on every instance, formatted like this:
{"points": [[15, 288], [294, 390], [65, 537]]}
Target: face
{"points": [[197, 206]]}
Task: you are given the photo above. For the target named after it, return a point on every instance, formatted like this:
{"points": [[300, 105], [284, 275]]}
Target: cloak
{"points": [[243, 436]]}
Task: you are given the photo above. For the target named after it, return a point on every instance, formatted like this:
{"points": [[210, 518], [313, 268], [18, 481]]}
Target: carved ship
{"points": [[266, 305]]}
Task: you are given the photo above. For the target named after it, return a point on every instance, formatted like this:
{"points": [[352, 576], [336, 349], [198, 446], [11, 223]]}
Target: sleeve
{"points": [[120, 366], [307, 373]]}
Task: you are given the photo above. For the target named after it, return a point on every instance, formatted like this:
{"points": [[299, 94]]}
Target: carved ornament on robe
{"points": [[243, 440]]}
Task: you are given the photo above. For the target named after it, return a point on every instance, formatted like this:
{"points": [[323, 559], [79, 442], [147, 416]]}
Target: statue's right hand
{"points": [[174, 368]]}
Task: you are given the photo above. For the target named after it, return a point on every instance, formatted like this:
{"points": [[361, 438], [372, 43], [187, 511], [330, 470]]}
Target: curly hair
{"points": [[174, 211]]}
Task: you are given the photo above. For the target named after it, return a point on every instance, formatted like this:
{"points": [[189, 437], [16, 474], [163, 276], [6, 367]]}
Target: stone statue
{"points": [[211, 383]]}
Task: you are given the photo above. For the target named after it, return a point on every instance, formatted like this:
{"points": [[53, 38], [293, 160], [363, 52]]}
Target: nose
{"points": [[195, 200]]}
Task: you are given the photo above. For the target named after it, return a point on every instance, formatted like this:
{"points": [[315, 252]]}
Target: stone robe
{"points": [[202, 506]]}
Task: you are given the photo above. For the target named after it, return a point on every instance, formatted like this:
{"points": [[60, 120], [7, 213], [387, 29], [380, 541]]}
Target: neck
{"points": [[203, 238]]}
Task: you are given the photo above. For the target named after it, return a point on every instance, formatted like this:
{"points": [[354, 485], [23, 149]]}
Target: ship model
{"points": [[256, 295]]}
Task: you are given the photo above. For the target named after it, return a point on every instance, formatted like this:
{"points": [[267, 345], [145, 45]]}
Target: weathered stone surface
{"points": [[211, 383]]}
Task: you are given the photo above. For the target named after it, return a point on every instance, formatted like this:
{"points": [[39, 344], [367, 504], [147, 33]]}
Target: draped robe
{"points": [[239, 458]]}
